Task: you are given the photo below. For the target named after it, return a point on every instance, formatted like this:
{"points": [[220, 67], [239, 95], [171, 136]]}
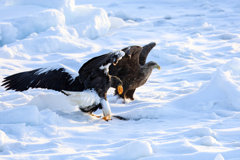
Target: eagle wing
{"points": [[128, 64], [144, 53], [56, 79], [60, 78], [95, 63], [90, 67]]}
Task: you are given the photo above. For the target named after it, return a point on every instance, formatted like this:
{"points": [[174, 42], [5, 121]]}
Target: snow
{"points": [[207, 141], [190, 109], [219, 157], [25, 114], [3, 138], [116, 22], [52, 101], [135, 150]]}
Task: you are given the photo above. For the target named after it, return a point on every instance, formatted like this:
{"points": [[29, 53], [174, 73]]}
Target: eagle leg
{"points": [[94, 115], [106, 110], [129, 94]]}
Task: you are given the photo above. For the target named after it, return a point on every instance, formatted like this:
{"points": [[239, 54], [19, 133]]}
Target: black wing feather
{"points": [[57, 79], [90, 76], [92, 66]]}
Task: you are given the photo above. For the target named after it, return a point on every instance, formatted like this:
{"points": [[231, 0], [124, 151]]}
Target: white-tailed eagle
{"points": [[133, 69]]}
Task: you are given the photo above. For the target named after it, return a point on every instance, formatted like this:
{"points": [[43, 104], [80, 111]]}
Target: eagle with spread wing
{"points": [[88, 88], [133, 69]]}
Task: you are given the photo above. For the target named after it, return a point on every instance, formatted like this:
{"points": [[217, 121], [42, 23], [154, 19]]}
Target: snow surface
{"points": [[135, 150], [190, 109]]}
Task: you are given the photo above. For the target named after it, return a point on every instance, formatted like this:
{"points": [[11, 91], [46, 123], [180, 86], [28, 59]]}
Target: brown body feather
{"points": [[133, 69]]}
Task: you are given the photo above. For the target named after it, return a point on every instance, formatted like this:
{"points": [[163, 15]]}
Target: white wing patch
{"points": [[70, 71], [105, 68], [83, 99]]}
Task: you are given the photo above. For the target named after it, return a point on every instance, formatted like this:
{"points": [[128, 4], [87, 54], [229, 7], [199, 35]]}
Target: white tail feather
{"points": [[83, 99]]}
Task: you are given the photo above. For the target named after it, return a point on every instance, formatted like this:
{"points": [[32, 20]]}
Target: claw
{"points": [[94, 115], [107, 118]]}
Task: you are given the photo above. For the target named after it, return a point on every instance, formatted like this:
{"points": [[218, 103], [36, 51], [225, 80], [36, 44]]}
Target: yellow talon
{"points": [[95, 115], [107, 118]]}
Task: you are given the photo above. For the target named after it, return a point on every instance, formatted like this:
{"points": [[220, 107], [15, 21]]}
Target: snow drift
{"points": [[86, 20], [221, 92]]}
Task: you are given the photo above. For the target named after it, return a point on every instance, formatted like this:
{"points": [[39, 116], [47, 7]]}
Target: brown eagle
{"points": [[133, 69], [87, 89]]}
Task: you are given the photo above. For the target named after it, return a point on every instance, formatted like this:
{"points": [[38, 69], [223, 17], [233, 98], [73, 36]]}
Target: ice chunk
{"points": [[221, 91], [201, 132], [21, 27], [25, 114], [52, 102], [52, 118], [61, 41], [38, 23], [232, 66], [219, 157], [135, 150], [16, 51], [207, 141], [89, 21], [207, 27], [8, 33], [3, 138], [116, 22]]}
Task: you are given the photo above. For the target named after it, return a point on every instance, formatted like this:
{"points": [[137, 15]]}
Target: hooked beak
{"points": [[158, 67], [120, 89]]}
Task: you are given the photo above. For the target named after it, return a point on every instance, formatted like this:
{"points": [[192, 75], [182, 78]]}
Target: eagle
{"points": [[87, 89], [133, 69]]}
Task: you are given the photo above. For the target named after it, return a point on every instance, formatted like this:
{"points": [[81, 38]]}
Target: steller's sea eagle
{"points": [[133, 69], [88, 89]]}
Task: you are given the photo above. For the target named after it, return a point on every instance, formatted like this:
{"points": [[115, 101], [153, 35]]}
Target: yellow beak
{"points": [[158, 67], [120, 89]]}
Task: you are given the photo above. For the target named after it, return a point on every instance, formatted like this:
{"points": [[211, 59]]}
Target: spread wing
{"points": [[56, 79], [144, 53], [59, 78], [95, 71], [90, 67], [129, 63]]}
